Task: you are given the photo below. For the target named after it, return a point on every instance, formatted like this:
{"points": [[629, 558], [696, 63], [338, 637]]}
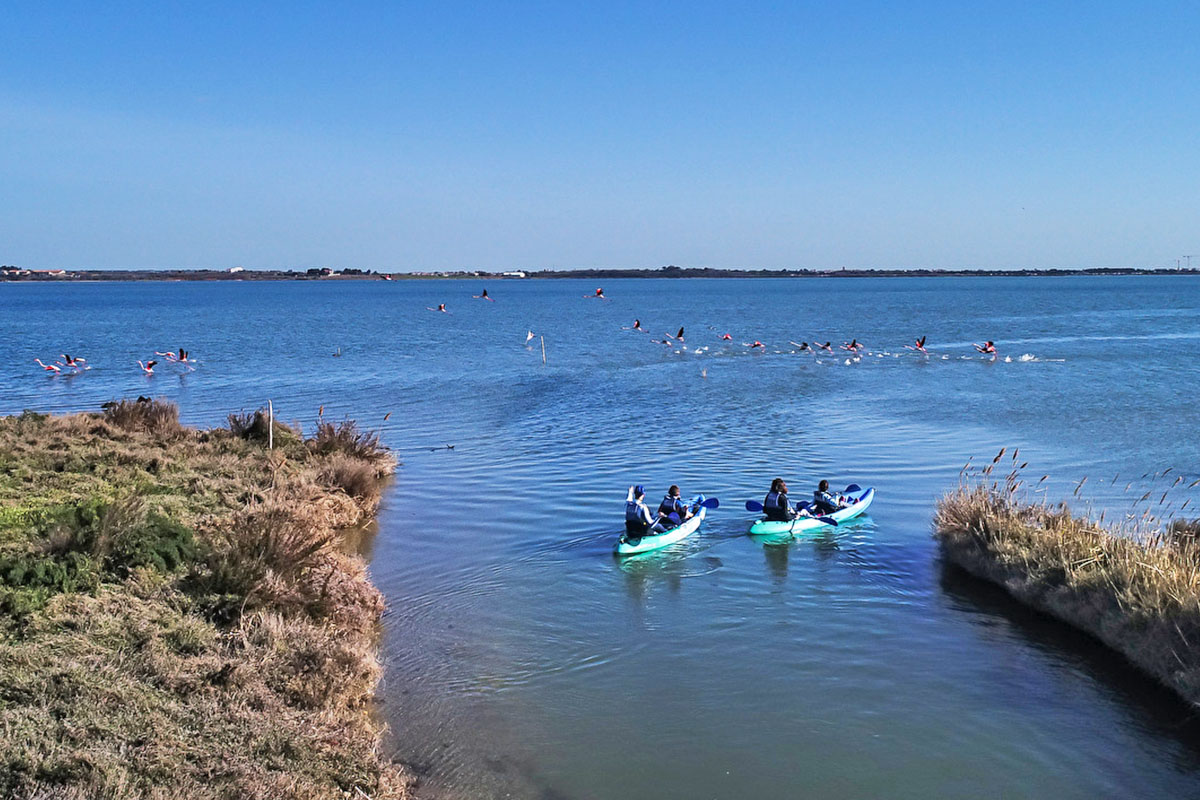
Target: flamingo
{"points": [[441, 307], [827, 347], [988, 348], [529, 337], [853, 346], [678, 336], [802, 345], [726, 338], [148, 367], [55, 367], [599, 295], [74, 363], [919, 345], [169, 356], [636, 326], [483, 296], [757, 343]]}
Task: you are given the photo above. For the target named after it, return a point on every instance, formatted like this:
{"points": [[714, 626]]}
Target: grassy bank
{"points": [[1136, 590], [176, 619]]}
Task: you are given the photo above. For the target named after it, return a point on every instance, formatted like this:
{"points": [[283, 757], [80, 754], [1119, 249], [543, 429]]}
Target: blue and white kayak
{"points": [[627, 546], [801, 525]]}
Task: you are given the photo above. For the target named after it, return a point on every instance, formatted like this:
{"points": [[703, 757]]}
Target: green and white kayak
{"points": [[801, 525], [629, 546]]}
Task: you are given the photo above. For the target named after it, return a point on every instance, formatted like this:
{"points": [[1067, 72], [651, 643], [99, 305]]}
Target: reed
{"points": [[175, 617], [1134, 583]]}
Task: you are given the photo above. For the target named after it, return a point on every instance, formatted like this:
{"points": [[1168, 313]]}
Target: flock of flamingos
{"points": [[71, 365]]}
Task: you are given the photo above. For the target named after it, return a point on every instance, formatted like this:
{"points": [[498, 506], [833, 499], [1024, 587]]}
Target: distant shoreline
{"points": [[16, 274]]}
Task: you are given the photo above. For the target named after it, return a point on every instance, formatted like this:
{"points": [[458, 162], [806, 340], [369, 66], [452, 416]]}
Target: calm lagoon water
{"points": [[524, 660]]}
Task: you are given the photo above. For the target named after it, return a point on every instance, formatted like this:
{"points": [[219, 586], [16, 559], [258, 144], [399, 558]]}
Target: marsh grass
{"points": [[175, 620], [1133, 583]]}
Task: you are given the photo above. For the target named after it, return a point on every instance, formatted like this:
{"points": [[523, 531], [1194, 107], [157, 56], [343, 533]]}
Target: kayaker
{"points": [[824, 501], [671, 504], [775, 504], [639, 520]]}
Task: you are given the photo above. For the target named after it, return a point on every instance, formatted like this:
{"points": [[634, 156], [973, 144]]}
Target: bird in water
{"points": [[919, 345], [148, 367], [55, 367], [483, 296]]}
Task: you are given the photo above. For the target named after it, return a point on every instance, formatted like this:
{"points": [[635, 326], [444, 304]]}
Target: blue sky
{"points": [[452, 135]]}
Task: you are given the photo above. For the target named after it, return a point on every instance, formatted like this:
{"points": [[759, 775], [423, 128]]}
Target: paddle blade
{"points": [[710, 502], [854, 487], [828, 521], [752, 505]]}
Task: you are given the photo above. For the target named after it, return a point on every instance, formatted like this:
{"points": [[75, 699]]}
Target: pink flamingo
{"points": [[148, 367], [55, 367], [919, 345]]}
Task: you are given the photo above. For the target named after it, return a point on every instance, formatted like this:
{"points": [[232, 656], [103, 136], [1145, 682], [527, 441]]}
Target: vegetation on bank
{"points": [[1137, 591], [176, 619]]}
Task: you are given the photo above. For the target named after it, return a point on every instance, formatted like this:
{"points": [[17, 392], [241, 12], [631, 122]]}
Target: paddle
{"points": [[707, 502], [753, 505]]}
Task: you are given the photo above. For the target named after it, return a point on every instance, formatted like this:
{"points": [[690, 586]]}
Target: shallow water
{"points": [[524, 660]]}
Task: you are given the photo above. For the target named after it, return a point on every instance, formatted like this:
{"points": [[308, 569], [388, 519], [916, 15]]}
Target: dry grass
{"points": [[176, 621], [159, 417], [1136, 589]]}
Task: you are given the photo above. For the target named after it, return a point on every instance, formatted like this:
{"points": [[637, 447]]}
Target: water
{"points": [[523, 660]]}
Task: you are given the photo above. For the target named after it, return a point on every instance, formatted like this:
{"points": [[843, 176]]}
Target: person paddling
{"points": [[639, 520], [775, 504], [824, 501], [673, 508]]}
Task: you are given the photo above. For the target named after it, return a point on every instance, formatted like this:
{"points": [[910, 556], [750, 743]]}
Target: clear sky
{"points": [[446, 135]]}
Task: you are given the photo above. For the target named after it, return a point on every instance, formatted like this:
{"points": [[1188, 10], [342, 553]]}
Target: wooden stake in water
{"points": [[543, 338], [270, 426]]}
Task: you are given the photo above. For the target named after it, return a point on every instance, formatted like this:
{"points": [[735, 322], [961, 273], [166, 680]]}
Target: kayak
{"points": [[808, 524], [627, 547]]}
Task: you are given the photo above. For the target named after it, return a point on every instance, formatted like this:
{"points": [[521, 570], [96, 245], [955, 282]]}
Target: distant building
{"points": [[237, 269], [516, 273]]}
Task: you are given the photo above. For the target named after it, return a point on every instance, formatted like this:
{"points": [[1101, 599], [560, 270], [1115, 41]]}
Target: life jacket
{"points": [[635, 518], [776, 507], [824, 502], [671, 505]]}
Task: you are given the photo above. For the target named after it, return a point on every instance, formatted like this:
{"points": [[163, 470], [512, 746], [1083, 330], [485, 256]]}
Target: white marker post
{"points": [[543, 350]]}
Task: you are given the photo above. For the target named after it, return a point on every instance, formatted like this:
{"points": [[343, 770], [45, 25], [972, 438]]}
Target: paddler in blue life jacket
{"points": [[775, 504], [826, 502], [671, 504], [639, 519]]}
